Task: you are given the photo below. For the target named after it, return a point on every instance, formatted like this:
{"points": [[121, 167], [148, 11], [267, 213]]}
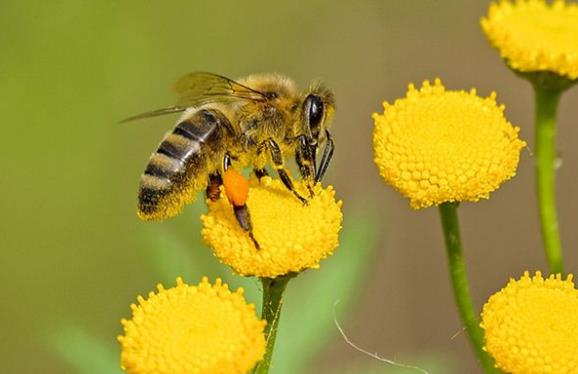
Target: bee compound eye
{"points": [[316, 109]]}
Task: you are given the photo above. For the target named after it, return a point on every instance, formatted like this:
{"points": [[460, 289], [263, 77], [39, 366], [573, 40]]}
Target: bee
{"points": [[256, 121]]}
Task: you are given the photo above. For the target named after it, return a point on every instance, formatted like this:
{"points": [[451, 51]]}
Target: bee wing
{"points": [[201, 88], [154, 113]]}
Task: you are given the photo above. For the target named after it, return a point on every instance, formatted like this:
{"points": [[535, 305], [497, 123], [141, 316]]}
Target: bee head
{"points": [[316, 113]]}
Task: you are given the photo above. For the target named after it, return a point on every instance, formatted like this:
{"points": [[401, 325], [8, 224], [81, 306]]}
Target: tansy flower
{"points": [[533, 35], [437, 146], [531, 325], [292, 237], [204, 329]]}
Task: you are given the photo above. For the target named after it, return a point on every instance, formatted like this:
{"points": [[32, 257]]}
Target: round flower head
{"points": [[531, 325], [204, 329], [437, 146], [533, 35], [292, 237]]}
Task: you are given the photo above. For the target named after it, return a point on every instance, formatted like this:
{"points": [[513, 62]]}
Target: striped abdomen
{"points": [[181, 164]]}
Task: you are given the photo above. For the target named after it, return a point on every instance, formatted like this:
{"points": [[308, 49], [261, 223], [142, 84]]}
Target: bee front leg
{"points": [[277, 158], [305, 158]]}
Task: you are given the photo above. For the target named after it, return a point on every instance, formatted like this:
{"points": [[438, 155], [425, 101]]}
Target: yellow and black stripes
{"points": [[181, 164]]}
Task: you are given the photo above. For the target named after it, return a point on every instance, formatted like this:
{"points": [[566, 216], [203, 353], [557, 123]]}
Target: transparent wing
{"points": [[155, 113], [201, 88]]}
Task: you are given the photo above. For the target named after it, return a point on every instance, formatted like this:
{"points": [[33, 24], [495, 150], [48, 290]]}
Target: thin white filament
{"points": [[372, 355]]}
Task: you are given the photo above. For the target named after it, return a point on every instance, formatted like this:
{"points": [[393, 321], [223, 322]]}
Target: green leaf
{"points": [[84, 352]]}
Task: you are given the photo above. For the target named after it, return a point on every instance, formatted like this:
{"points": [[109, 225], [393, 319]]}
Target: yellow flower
{"points": [[531, 325], [437, 146], [533, 35], [292, 236], [204, 329]]}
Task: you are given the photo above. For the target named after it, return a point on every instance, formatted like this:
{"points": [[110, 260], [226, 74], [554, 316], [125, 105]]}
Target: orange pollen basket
{"points": [[236, 187]]}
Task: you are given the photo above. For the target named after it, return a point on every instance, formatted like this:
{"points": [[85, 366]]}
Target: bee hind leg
{"points": [[244, 219], [234, 184]]}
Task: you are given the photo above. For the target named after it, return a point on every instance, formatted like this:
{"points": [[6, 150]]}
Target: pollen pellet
{"points": [[236, 187]]}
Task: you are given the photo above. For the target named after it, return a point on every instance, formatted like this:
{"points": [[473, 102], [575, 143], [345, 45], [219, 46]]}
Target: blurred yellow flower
{"points": [[531, 325], [533, 35], [437, 146], [204, 329], [292, 236]]}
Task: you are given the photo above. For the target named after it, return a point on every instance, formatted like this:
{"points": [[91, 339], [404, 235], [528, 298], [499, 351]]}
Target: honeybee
{"points": [[257, 121]]}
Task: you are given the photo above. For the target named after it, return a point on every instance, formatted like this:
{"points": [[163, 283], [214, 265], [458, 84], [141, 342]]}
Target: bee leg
{"points": [[240, 207], [277, 158], [305, 158], [244, 220], [326, 158], [213, 191], [260, 173], [226, 161]]}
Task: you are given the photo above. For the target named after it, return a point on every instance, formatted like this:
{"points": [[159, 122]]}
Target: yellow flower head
{"points": [[531, 325], [533, 35], [437, 146], [204, 329], [292, 237]]}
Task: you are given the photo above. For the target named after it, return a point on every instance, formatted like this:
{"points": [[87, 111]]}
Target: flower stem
{"points": [[546, 106], [450, 224], [272, 302]]}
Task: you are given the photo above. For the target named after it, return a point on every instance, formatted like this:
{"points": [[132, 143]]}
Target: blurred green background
{"points": [[73, 255]]}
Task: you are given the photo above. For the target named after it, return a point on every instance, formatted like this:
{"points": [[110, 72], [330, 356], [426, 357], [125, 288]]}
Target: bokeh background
{"points": [[73, 255]]}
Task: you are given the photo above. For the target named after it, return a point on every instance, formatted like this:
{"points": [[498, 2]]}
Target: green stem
{"points": [[272, 302], [546, 106], [450, 224]]}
